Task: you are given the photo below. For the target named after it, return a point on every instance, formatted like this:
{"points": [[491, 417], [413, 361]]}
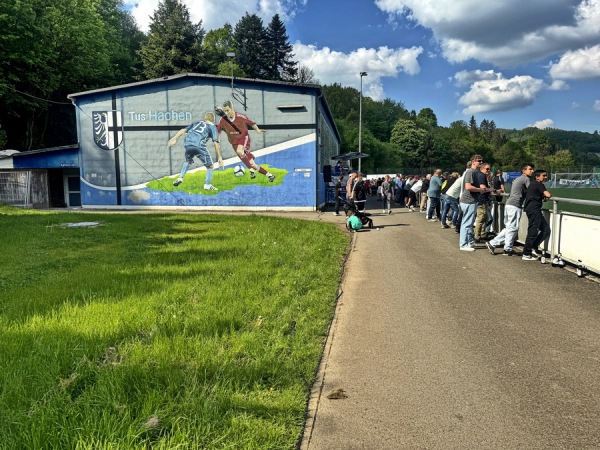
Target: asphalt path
{"points": [[434, 348]]}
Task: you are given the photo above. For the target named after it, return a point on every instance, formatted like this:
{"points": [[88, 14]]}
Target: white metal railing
{"points": [[574, 237]]}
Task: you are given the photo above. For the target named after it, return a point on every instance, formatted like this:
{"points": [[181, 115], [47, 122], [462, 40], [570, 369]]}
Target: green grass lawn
{"points": [[161, 331], [576, 193]]}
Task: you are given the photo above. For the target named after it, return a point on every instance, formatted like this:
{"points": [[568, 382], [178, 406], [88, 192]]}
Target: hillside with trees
{"points": [[400, 140], [52, 48]]}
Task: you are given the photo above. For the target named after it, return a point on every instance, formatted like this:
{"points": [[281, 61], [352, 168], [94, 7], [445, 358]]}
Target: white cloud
{"points": [[501, 94], [507, 33], [336, 67], [575, 105], [596, 105], [467, 77], [542, 124], [578, 64], [558, 85], [214, 14]]}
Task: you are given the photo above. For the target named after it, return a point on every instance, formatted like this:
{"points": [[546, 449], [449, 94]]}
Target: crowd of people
{"points": [[459, 201]]}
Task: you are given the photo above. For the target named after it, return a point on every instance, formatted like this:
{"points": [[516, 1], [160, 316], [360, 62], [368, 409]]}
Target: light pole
{"points": [[362, 74], [232, 56]]}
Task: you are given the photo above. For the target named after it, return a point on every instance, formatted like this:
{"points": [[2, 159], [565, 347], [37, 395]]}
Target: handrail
{"points": [[575, 201]]}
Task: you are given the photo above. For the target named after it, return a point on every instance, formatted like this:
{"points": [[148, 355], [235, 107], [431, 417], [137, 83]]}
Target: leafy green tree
{"points": [[427, 119], [409, 141], [250, 40], [174, 43], [48, 49], [511, 156], [125, 39], [215, 46], [278, 52], [561, 159], [379, 117]]}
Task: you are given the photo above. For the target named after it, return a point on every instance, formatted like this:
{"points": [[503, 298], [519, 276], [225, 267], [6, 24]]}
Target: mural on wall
{"points": [[167, 144]]}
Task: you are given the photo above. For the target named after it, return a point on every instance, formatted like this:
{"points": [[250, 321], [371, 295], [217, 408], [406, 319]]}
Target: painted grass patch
{"points": [[224, 180], [162, 331]]}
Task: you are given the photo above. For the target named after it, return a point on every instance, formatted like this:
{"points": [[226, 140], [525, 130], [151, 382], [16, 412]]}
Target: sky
{"points": [[519, 63]]}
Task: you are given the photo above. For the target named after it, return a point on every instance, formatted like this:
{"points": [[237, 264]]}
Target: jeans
{"points": [[466, 226], [512, 217], [450, 203], [433, 206], [387, 201]]}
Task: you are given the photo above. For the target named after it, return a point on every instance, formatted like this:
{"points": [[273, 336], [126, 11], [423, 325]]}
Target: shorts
{"points": [[244, 141], [202, 154]]}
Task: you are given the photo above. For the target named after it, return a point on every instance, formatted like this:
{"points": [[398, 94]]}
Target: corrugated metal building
{"points": [[124, 160]]}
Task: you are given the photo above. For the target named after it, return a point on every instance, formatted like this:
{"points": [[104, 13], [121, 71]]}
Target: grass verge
{"points": [[161, 331]]}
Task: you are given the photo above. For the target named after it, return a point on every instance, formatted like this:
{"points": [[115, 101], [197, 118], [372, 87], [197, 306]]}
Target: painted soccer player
{"points": [[236, 128], [198, 134]]}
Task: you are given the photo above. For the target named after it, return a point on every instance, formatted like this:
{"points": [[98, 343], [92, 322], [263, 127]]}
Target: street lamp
{"points": [[232, 56], [362, 74]]}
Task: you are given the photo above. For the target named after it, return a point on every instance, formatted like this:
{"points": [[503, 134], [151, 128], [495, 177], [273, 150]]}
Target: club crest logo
{"points": [[108, 129]]}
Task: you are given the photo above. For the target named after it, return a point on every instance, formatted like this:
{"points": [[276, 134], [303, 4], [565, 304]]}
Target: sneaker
{"points": [[178, 181], [252, 174], [528, 258], [445, 225], [510, 252], [389, 211], [491, 248], [336, 214], [411, 209], [384, 211], [536, 254], [467, 249], [431, 220], [210, 187], [271, 178]]}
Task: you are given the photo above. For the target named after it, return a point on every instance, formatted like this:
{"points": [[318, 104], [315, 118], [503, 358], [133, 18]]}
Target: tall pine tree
{"points": [[174, 43], [250, 40], [278, 52]]}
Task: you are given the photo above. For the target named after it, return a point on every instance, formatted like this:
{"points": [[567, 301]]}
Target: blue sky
{"points": [[519, 63]]}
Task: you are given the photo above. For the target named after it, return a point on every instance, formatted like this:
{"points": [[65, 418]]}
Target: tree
{"points": [[473, 129], [125, 39], [48, 49], [427, 119], [560, 159], [250, 39], [305, 75], [511, 156], [278, 52], [215, 46], [408, 140], [174, 43]]}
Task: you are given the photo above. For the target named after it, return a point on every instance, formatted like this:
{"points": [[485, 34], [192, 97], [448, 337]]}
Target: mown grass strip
{"points": [[160, 330]]}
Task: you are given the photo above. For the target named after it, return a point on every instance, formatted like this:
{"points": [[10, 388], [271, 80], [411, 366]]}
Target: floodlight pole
{"points": [[232, 56], [362, 74]]}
